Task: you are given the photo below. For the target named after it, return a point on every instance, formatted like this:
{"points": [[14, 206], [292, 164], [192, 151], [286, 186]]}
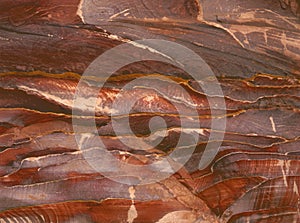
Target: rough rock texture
{"points": [[253, 47]]}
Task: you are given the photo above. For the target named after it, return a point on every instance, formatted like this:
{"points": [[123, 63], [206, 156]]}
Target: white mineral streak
{"points": [[284, 168], [36, 91], [150, 49], [273, 124], [119, 13], [79, 11], [85, 104], [132, 212], [163, 133], [200, 17], [295, 188], [231, 33], [115, 37]]}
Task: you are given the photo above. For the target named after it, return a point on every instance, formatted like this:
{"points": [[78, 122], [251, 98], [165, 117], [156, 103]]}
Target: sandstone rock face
{"points": [[50, 155]]}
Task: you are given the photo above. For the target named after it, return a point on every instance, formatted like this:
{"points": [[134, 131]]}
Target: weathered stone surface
{"points": [[253, 48]]}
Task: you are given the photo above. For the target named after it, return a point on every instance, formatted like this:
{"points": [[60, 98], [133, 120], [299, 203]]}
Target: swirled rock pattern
{"points": [[253, 48]]}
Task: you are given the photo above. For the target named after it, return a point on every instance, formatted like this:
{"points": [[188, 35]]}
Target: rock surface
{"points": [[253, 49]]}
